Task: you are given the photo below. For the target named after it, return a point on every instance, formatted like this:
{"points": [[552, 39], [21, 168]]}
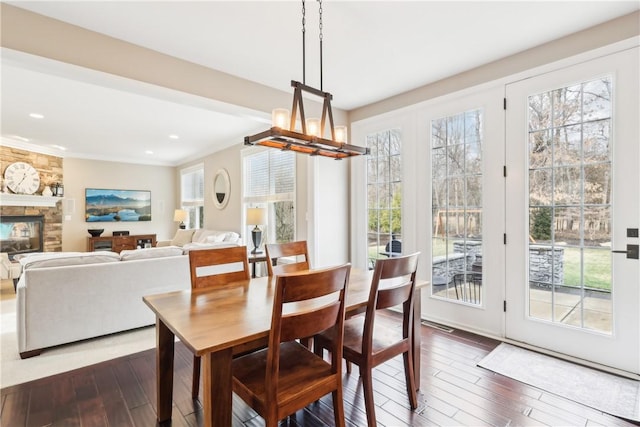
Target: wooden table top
{"points": [[239, 313]]}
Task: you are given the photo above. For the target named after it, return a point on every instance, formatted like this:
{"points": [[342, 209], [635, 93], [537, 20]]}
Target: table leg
{"points": [[417, 336], [165, 343], [218, 388]]}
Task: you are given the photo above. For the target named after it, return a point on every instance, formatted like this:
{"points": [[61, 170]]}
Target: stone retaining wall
{"points": [[546, 264]]}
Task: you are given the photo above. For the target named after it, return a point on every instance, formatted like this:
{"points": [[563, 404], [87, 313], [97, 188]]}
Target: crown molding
{"points": [[14, 143]]}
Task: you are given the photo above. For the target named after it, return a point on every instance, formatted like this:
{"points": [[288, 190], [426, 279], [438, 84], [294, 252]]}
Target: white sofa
{"points": [[65, 297], [202, 238]]}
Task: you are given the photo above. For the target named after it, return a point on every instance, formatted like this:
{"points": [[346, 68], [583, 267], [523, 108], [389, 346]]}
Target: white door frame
{"points": [[621, 349]]}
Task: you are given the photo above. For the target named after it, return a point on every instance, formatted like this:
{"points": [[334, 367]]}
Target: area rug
{"points": [[14, 370], [605, 392]]}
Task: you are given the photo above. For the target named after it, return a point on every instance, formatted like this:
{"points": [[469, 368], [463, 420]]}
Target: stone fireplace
{"points": [[21, 234], [47, 166]]}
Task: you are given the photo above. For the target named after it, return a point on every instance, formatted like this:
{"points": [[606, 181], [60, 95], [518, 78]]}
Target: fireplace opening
{"points": [[21, 234]]}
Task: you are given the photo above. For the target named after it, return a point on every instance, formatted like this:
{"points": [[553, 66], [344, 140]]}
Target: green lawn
{"points": [[597, 268]]}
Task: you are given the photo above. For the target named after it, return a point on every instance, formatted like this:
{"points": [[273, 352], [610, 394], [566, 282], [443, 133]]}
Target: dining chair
{"points": [[298, 255], [215, 267], [368, 344], [287, 376], [468, 286], [296, 251]]}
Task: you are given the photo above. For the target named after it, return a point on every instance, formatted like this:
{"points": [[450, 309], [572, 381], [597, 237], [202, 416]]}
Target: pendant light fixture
{"points": [[311, 138]]}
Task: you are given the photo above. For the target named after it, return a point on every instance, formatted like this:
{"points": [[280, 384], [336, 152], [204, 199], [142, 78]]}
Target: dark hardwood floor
{"points": [[454, 392]]}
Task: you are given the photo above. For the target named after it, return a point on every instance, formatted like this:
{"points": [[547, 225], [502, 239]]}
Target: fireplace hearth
{"points": [[21, 234]]}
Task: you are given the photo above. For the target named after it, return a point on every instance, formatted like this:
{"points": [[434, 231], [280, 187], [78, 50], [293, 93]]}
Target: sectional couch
{"points": [[64, 297]]}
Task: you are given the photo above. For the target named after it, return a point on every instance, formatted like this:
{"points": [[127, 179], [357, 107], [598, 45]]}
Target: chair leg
{"points": [[367, 384], [338, 407], [409, 375], [271, 419], [195, 385]]}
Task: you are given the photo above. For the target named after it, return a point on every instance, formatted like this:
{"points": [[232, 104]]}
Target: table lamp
{"points": [[256, 216], [179, 216]]}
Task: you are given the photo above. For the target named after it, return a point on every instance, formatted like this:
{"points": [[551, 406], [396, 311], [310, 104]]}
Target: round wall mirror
{"points": [[221, 188]]}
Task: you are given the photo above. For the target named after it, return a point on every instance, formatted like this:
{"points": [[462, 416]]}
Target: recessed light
{"points": [[174, 136], [59, 147], [36, 116], [148, 152]]}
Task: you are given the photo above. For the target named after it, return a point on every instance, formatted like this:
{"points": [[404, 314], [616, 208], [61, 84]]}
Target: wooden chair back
{"points": [[392, 284], [215, 267], [291, 376], [295, 250]]}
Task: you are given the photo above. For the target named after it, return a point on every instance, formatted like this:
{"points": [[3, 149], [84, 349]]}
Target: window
{"points": [[269, 181], [456, 171], [192, 195], [384, 194]]}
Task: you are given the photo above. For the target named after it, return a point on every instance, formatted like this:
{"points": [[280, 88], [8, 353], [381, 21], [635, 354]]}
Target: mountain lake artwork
{"points": [[117, 205]]}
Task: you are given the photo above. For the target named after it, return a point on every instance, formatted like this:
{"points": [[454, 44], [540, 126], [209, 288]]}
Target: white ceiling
{"points": [[372, 50]]}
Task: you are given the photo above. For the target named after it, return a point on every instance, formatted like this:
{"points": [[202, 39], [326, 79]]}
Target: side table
{"points": [[11, 269], [253, 259]]}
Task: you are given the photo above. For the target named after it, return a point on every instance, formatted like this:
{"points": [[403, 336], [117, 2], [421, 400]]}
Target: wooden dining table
{"points": [[218, 323]]}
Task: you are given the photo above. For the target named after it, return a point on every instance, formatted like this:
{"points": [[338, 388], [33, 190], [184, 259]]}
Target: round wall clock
{"points": [[22, 178]]}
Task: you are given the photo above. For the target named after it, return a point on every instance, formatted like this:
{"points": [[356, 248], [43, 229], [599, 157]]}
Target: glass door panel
{"points": [[570, 204], [456, 156]]}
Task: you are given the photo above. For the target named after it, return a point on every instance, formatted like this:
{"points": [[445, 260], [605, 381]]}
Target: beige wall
{"points": [[80, 174]]}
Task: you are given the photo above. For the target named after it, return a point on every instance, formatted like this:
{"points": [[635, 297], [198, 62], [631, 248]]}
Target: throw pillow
{"points": [[215, 238], [232, 237], [182, 237]]}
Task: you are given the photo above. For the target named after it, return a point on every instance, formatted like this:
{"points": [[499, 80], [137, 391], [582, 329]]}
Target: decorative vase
{"points": [[47, 191]]}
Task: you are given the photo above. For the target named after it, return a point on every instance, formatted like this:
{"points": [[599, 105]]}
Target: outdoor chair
{"points": [[468, 286]]}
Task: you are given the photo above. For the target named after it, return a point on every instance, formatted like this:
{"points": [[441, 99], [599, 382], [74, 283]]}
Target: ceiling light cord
{"points": [[304, 45], [320, 27], [283, 133]]}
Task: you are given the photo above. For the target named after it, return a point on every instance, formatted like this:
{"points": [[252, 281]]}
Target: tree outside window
{"points": [[192, 195], [384, 193], [269, 181]]}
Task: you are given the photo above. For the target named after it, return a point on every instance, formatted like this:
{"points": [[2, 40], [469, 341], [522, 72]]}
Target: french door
{"points": [[465, 148], [572, 191]]}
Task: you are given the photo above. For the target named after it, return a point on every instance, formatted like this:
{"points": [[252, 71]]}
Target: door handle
{"points": [[632, 251]]}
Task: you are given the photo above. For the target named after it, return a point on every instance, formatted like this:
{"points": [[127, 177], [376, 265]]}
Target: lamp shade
{"points": [[256, 216], [180, 215]]}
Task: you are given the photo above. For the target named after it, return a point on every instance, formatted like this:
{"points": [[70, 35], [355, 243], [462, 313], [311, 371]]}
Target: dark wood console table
{"points": [[120, 243]]}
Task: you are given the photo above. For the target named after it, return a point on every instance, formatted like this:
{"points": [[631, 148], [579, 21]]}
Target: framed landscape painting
{"points": [[117, 205]]}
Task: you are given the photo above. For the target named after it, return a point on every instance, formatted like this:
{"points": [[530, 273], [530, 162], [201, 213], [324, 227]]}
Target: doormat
{"points": [[603, 391]]}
